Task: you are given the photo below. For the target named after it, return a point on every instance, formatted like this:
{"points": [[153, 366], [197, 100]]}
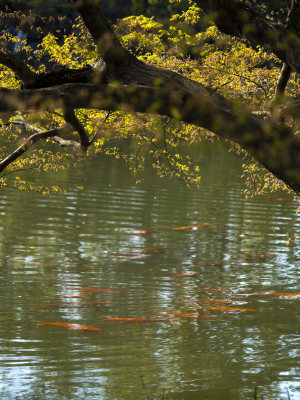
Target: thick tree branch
{"points": [[282, 82], [70, 118], [18, 66], [273, 145], [108, 45], [61, 76], [283, 79]]}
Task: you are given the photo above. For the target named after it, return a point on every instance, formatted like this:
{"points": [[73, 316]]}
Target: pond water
{"points": [[119, 238]]}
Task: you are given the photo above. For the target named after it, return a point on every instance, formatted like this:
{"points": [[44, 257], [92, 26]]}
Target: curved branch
{"points": [[28, 143], [70, 118], [18, 66], [274, 146], [108, 45]]}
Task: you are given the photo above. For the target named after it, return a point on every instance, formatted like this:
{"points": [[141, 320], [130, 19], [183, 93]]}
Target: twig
{"points": [[240, 76], [99, 129], [16, 170]]}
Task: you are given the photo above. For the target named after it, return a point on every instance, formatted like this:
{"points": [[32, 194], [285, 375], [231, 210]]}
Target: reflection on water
{"points": [[111, 251]]}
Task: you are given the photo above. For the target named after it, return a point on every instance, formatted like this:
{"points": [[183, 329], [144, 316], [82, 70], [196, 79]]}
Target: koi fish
{"points": [[144, 231], [73, 304], [184, 275], [96, 290], [276, 197], [284, 294], [297, 295], [189, 315], [183, 228], [76, 327], [139, 256], [73, 296], [227, 309], [258, 256], [288, 222], [137, 319], [209, 300]]}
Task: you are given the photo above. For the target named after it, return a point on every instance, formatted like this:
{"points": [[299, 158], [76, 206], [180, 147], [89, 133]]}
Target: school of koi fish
{"points": [[206, 306]]}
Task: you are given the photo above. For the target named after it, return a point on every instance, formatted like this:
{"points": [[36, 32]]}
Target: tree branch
{"points": [[18, 66], [66, 142], [108, 45], [282, 82], [99, 129], [70, 118], [27, 144], [274, 146], [293, 18]]}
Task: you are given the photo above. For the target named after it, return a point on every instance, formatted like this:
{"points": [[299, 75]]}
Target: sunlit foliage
{"points": [[227, 65]]}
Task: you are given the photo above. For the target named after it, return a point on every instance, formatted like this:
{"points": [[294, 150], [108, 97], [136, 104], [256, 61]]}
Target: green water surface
{"points": [[54, 248]]}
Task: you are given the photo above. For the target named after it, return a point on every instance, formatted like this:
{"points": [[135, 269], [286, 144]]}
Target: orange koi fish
{"points": [[183, 228], [258, 256], [144, 231], [284, 294], [184, 275], [74, 304], [297, 295], [277, 197], [208, 300], [137, 319], [228, 309], [96, 290], [76, 327], [189, 315]]}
